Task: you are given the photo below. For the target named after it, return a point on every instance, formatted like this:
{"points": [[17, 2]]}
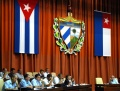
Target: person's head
{"points": [[4, 70], [112, 77], [41, 71], [49, 77], [12, 70], [47, 70], [27, 77], [14, 78], [37, 77], [68, 77], [20, 71], [60, 76]]}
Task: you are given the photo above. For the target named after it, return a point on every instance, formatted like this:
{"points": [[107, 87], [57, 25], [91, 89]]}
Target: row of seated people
{"points": [[40, 77], [39, 81], [7, 75]]}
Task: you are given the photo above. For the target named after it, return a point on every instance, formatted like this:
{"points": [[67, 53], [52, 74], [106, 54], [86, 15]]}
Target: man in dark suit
{"points": [[12, 72], [41, 73], [68, 81]]}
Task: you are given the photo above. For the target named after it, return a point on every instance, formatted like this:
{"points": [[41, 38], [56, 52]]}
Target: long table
{"points": [[107, 87], [73, 88]]}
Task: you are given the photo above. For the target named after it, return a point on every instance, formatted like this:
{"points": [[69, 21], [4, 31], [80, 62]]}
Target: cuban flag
{"points": [[102, 33], [26, 26]]}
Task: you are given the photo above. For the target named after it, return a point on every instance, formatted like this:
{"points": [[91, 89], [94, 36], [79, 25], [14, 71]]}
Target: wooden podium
{"points": [[107, 87]]}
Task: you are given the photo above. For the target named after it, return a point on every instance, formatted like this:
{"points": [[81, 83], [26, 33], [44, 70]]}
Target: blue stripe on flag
{"points": [[68, 45], [36, 39], [61, 27], [27, 31], [67, 33], [17, 27], [98, 34], [27, 34]]}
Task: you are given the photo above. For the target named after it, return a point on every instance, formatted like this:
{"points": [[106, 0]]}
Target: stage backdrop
{"points": [[84, 67]]}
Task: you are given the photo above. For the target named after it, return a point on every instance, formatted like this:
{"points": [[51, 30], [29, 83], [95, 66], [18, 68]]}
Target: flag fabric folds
{"points": [[26, 26], [102, 33]]}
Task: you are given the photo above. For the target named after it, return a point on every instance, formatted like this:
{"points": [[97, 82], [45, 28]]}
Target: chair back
{"points": [[31, 74], [53, 74], [99, 80], [34, 73]]}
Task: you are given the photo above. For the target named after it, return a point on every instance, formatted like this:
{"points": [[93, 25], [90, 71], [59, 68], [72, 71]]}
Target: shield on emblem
{"points": [[70, 33]]}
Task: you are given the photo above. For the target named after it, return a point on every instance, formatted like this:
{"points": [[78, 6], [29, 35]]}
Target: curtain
{"points": [[84, 66]]}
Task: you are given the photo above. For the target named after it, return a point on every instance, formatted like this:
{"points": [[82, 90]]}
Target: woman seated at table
{"points": [[113, 80], [11, 84]]}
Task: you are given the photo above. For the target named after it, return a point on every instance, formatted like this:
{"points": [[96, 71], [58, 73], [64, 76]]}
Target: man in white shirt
{"points": [[46, 72], [113, 80], [4, 74], [58, 79], [36, 81], [48, 81]]}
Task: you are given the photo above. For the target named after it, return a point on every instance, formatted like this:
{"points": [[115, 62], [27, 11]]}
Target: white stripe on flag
{"points": [[22, 32], [67, 40], [31, 41], [64, 29], [106, 42]]}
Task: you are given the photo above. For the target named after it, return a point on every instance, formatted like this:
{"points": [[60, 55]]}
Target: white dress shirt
{"points": [[45, 74], [46, 82], [2, 74], [114, 81], [20, 76]]}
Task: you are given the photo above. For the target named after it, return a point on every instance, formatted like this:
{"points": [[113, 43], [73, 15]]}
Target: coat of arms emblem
{"points": [[69, 34]]}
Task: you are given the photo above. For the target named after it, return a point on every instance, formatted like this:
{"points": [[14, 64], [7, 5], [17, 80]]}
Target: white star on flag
{"points": [[27, 7], [106, 20]]}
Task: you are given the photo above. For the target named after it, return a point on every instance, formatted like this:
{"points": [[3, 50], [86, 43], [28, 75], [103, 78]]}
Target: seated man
{"points": [[41, 73], [58, 79], [19, 74], [73, 81], [4, 74], [26, 82], [48, 81], [10, 84], [36, 81], [113, 80], [12, 71], [46, 72], [69, 81]]}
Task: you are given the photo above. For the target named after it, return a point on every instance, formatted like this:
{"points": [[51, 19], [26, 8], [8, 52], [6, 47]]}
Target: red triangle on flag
{"points": [[27, 7]]}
